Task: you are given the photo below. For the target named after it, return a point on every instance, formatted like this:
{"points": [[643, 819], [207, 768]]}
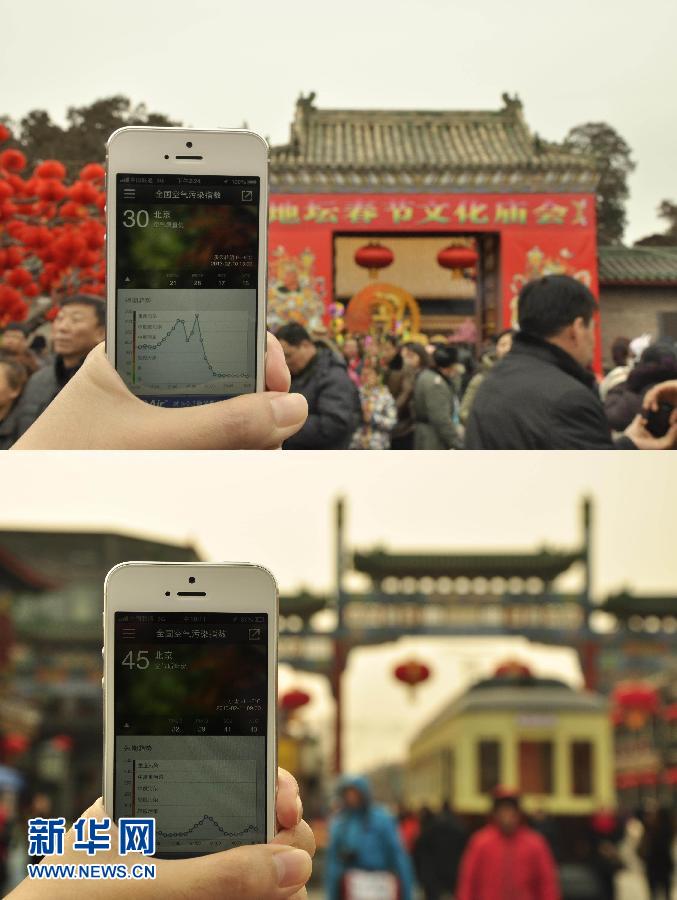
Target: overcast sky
{"points": [[213, 63], [276, 509]]}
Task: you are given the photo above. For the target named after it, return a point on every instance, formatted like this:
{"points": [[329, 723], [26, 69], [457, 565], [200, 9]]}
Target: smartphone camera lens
{"points": [[166, 155], [189, 143], [166, 593], [191, 580]]}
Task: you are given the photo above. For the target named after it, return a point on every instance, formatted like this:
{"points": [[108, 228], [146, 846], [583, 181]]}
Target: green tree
{"points": [[614, 163], [84, 137], [667, 210]]}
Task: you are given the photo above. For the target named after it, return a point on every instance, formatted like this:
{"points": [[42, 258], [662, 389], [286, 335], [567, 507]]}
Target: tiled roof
{"points": [[638, 265], [545, 564], [486, 150]]}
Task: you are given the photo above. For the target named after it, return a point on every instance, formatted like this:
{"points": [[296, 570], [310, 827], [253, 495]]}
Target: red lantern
{"points": [[294, 700], [457, 259], [638, 696], [513, 669], [15, 744], [412, 673], [374, 257]]}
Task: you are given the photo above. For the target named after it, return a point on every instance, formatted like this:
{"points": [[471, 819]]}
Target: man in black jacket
{"points": [[321, 376], [78, 327], [542, 395]]}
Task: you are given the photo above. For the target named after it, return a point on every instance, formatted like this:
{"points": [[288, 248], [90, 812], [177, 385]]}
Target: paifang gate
{"points": [[418, 183]]}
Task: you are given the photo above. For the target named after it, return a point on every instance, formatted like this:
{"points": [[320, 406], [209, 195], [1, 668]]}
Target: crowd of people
{"points": [[532, 388], [373, 853]]}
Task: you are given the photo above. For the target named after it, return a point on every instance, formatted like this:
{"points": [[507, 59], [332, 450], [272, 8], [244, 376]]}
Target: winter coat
{"points": [[400, 383], [473, 386], [378, 404], [333, 404], [625, 401], [41, 389], [497, 866], [9, 428], [367, 839], [438, 851], [539, 398], [433, 407]]}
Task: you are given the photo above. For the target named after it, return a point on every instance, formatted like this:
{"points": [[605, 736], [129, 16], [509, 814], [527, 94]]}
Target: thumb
{"points": [[260, 872], [249, 422]]}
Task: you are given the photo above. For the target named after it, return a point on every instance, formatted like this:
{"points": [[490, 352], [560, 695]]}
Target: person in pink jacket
{"points": [[507, 860]]}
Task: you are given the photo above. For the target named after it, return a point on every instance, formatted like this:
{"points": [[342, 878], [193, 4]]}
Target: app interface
{"points": [[190, 727], [186, 280]]}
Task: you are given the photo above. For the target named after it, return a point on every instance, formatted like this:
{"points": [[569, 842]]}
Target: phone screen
{"points": [[190, 713], [186, 282]]}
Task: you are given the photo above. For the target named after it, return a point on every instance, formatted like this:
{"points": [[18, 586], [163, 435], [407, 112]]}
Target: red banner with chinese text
{"points": [[538, 233]]}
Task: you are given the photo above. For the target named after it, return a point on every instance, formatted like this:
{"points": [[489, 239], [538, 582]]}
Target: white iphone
{"points": [[190, 702], [186, 262]]}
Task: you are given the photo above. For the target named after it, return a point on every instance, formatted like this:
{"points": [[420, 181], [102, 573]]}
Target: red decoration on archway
{"points": [[374, 257], [457, 259], [412, 673], [294, 700]]}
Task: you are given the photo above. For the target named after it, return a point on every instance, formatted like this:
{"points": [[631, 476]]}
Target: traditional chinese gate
{"points": [[528, 204]]}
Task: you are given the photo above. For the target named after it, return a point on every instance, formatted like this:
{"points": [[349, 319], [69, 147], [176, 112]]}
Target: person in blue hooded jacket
{"points": [[364, 836]]}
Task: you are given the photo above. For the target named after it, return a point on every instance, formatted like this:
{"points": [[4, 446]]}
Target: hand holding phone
{"points": [[95, 411], [261, 872], [190, 662], [186, 224]]}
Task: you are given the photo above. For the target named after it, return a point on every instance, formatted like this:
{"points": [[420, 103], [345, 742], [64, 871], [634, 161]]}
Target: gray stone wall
{"points": [[630, 311]]}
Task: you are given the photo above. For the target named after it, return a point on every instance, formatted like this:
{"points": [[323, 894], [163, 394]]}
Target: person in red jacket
{"points": [[507, 860]]}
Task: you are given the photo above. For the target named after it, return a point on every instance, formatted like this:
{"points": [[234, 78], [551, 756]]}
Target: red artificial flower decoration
{"points": [[5, 133], [8, 210], [19, 277], [51, 168], [6, 190], [49, 189], [12, 160], [72, 210], [14, 256], [83, 192], [92, 172]]}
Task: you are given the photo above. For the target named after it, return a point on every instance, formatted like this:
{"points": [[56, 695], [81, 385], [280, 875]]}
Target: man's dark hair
{"points": [[443, 357], [620, 350], [95, 303], [16, 373], [658, 355], [39, 343], [293, 333], [421, 352], [15, 326], [549, 304], [392, 339]]}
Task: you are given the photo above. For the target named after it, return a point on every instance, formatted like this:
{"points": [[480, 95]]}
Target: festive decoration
{"points": [[374, 257], [62, 742], [634, 704], [412, 673], [293, 700], [51, 233], [383, 309], [14, 744], [295, 293], [460, 257], [512, 668]]}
